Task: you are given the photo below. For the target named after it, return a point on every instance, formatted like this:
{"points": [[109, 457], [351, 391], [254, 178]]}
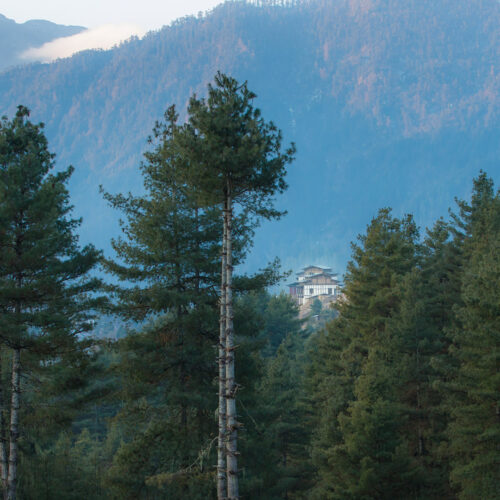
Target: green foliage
{"points": [[44, 291], [329, 388], [47, 298], [360, 447], [171, 245], [70, 469], [168, 261], [277, 317], [319, 315], [472, 393], [232, 151], [287, 471], [403, 384], [232, 160], [396, 397], [316, 307], [274, 439]]}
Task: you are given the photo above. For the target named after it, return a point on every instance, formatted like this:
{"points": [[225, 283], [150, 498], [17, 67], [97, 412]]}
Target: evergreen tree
{"points": [[359, 447], [168, 265], [234, 159], [319, 315], [280, 318], [404, 384], [60, 400], [69, 469], [44, 288], [472, 389], [283, 427], [428, 295], [329, 389], [274, 435]]}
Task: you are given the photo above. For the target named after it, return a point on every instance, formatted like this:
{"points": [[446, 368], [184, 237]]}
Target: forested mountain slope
{"points": [[391, 103], [15, 38]]}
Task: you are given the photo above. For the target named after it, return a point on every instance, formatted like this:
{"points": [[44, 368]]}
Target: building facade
{"points": [[315, 282]]}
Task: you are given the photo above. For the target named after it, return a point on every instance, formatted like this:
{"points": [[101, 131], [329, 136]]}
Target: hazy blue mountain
{"points": [[390, 102], [15, 38]]}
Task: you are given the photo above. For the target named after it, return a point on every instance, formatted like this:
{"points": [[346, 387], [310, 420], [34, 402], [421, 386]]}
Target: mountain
{"points": [[15, 38], [390, 102]]}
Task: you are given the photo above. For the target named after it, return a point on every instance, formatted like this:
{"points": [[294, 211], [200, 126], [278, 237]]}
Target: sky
{"points": [[108, 21], [147, 14]]}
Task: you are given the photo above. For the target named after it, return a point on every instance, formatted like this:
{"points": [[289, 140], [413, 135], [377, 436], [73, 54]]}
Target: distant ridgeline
{"points": [[15, 38], [275, 3], [386, 108]]}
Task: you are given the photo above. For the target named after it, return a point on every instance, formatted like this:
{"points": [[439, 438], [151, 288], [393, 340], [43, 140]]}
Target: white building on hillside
{"points": [[315, 282]]}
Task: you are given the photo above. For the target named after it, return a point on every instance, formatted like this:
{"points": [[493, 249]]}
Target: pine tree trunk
{"points": [[221, 444], [232, 424], [14, 422], [4, 466]]}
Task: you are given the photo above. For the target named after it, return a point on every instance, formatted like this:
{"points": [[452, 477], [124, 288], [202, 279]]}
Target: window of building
{"points": [[329, 291], [311, 291]]}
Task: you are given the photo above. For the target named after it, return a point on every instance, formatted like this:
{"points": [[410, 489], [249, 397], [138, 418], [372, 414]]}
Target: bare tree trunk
{"points": [[14, 423], [221, 443], [231, 387], [4, 466]]}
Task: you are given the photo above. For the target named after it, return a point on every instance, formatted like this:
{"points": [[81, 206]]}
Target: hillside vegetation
{"points": [[396, 395], [389, 102], [163, 366]]}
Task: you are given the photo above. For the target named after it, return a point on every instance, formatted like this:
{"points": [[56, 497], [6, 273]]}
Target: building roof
{"points": [[306, 280], [317, 267]]}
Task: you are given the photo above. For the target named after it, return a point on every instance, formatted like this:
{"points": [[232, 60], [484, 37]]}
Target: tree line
{"points": [[218, 389], [403, 385]]}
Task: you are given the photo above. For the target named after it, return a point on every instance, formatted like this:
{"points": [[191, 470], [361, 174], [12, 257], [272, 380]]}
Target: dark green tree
{"points": [[46, 299], [471, 389], [280, 318], [320, 315], [287, 472], [235, 161], [359, 447], [169, 270], [273, 437], [316, 307], [404, 384], [428, 295], [328, 390], [168, 265]]}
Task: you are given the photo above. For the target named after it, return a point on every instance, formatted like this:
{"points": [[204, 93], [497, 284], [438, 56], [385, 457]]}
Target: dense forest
{"points": [[367, 89], [393, 395], [145, 352]]}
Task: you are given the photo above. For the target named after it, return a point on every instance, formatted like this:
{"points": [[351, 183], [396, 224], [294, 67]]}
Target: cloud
{"points": [[102, 37]]}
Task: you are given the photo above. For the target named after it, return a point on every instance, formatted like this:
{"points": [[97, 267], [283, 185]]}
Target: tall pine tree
{"points": [[358, 446], [169, 269], [168, 265], [45, 299], [472, 389], [236, 162]]}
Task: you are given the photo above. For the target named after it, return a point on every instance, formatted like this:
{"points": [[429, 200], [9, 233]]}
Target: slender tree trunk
{"points": [[221, 444], [14, 423], [4, 465], [231, 387]]}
